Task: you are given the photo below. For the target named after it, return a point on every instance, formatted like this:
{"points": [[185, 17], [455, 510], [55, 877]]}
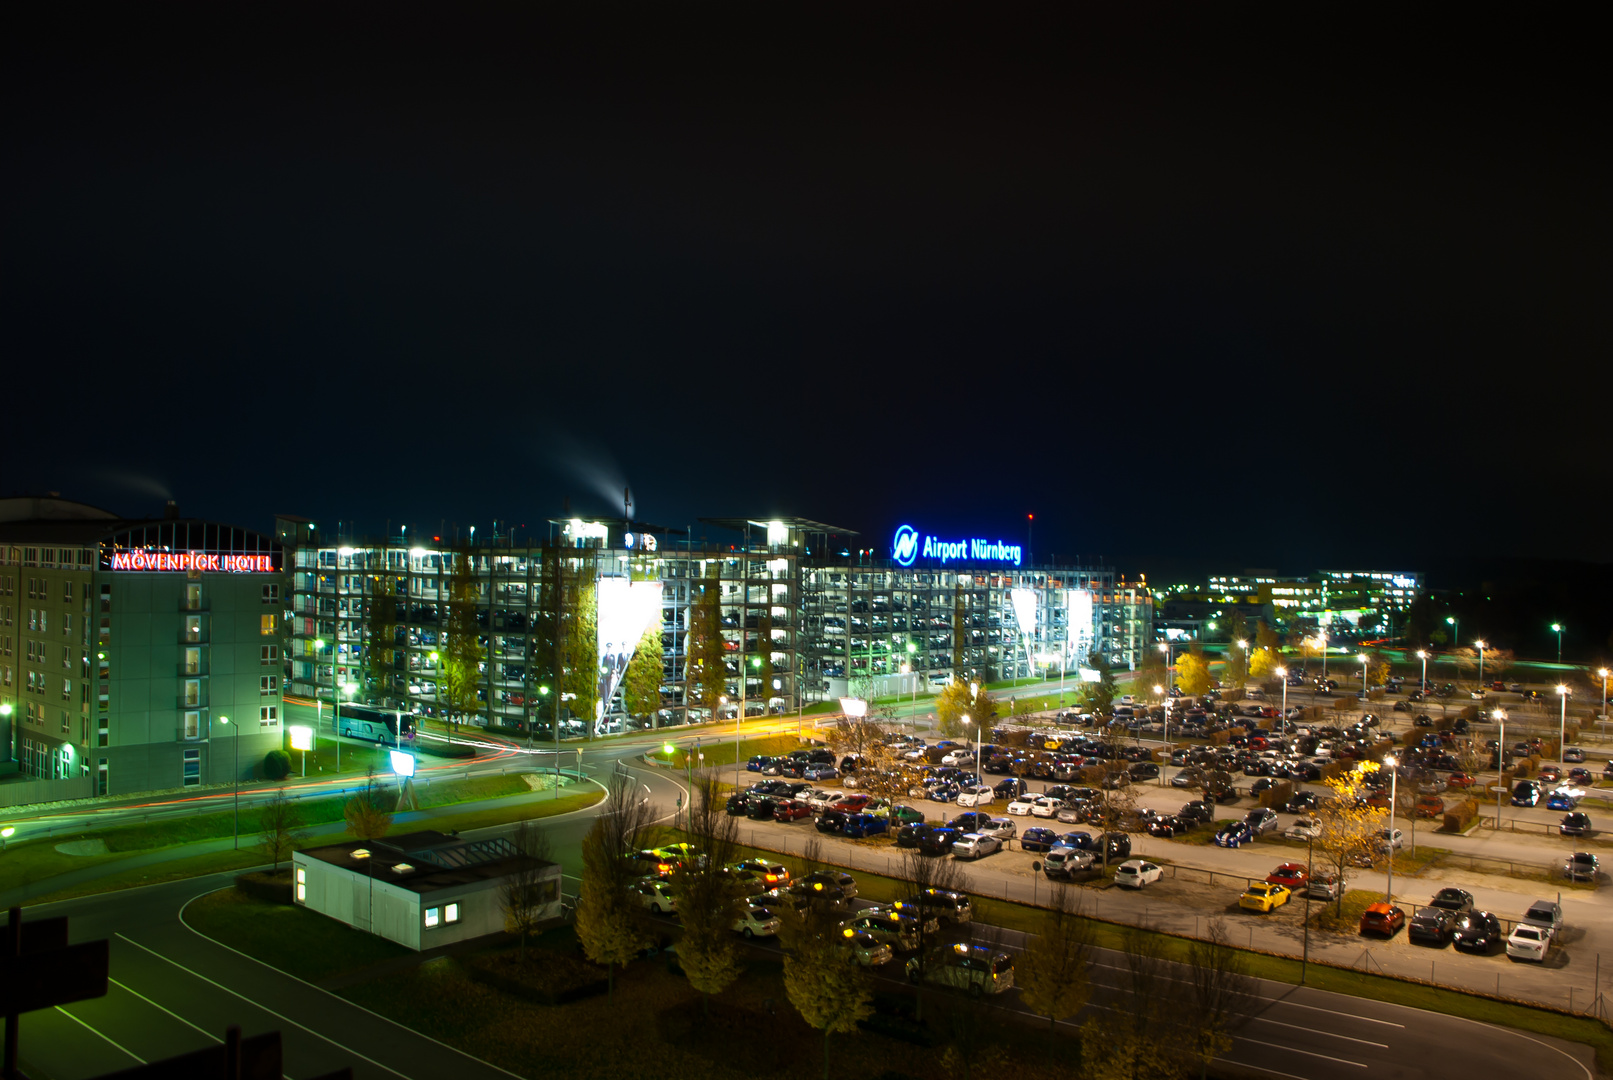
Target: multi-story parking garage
{"points": [[803, 612]]}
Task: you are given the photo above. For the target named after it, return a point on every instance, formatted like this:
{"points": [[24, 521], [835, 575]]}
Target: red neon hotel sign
{"points": [[183, 561]]}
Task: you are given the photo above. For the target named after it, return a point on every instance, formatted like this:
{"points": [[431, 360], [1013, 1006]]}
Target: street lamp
{"points": [[237, 756], [1562, 719], [722, 703], [1160, 690], [967, 723], [1389, 841], [1456, 628], [1481, 646], [1557, 628], [1422, 687], [1603, 672], [1282, 673], [1363, 658]]}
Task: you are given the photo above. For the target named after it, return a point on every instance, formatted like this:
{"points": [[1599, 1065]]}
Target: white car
{"points": [[1022, 804], [958, 757], [974, 845], [756, 922], [976, 796], [1135, 873], [1002, 828], [820, 800], [1127, 699], [1528, 943], [1390, 839], [655, 895], [1303, 828], [1046, 806]]}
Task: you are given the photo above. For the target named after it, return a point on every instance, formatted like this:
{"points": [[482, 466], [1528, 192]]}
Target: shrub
{"points": [[268, 887], [1460, 816], [1278, 794], [276, 764]]}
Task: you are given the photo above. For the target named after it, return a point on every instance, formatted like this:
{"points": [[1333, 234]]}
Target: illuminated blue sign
{"points": [[908, 546]]}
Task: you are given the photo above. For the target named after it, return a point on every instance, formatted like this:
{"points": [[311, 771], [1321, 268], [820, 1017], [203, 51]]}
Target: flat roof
{"points": [[739, 524], [430, 861]]}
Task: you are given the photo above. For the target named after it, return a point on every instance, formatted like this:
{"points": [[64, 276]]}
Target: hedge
{"points": [[1460, 816], [270, 887]]}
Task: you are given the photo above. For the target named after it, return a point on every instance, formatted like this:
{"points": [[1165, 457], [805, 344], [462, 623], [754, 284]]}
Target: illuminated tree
{"points": [[1263, 663], [708, 896], [363, 813], [1099, 696], [955, 701], [579, 626], [461, 650], [1235, 670], [641, 683], [706, 676], [1377, 669], [381, 631], [1347, 829], [1193, 674], [609, 924]]}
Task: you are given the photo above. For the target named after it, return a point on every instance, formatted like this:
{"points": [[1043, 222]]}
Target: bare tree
{"points": [[609, 924], [1220, 996], [828, 991], [924, 875], [1140, 1034], [278, 824], [1053, 976], [527, 890], [365, 817]]}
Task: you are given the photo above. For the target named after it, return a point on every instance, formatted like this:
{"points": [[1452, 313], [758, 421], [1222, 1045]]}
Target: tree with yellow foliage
{"points": [[1347, 828], [1193, 674]]}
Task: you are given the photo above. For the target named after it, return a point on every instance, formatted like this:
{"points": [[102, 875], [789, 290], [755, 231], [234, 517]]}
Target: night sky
{"points": [[1201, 290]]}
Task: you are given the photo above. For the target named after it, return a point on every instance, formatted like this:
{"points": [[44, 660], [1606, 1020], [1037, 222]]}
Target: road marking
{"points": [[1297, 1050], [119, 1045], [170, 1012], [1537, 1042], [1336, 1012], [1261, 1068], [1314, 1031], [327, 993], [249, 1001]]}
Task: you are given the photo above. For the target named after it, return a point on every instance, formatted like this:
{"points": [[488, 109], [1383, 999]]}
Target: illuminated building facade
{"points": [[804, 613], [125, 644]]}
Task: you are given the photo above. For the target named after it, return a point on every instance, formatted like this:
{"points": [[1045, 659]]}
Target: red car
{"points": [[1293, 875], [850, 804], [1459, 780], [1382, 919], [1550, 773], [791, 810]]}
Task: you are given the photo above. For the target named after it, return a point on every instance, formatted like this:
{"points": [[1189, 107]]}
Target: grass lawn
{"points": [[718, 753], [503, 815], [295, 940], [195, 866]]}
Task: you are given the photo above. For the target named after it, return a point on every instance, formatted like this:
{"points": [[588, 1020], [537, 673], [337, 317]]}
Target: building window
{"points": [[268, 715], [193, 691], [67, 689], [268, 624], [302, 884], [193, 598], [67, 657], [193, 661], [270, 654], [268, 684], [193, 724], [450, 913], [271, 594], [67, 590], [193, 628], [433, 917], [106, 599], [67, 623], [193, 767], [101, 776]]}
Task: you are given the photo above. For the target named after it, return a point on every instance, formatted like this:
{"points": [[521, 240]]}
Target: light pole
{"points": [[1282, 673], [722, 703], [1500, 763], [1363, 658], [1422, 687], [1321, 643], [1603, 672], [1389, 841], [1557, 628], [1456, 628], [237, 757], [968, 723], [1481, 646], [1160, 690], [1562, 719], [543, 692]]}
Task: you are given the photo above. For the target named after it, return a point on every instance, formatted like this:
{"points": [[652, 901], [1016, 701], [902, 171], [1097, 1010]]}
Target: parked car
{"points": [[655, 895], [1324, 886], [1002, 828], [1528, 942], [1382, 919], [976, 969], [1021, 805], [1432, 926], [1046, 806], [1166, 826], [950, 907], [886, 927], [975, 846], [1561, 800], [1582, 866], [1135, 873], [1304, 828], [1477, 931], [938, 841], [764, 870], [1233, 834], [1525, 793], [864, 949], [1038, 840], [1264, 896], [1390, 840], [1261, 820], [832, 821], [1575, 824], [1062, 863], [1452, 899], [976, 795], [1289, 875], [1198, 810], [1573, 753], [1546, 914], [858, 826]]}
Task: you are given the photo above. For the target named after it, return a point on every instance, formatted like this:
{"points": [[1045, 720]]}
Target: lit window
{"points": [[302, 884], [451, 913], [432, 917]]}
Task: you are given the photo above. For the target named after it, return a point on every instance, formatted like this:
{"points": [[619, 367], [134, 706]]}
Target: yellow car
{"points": [[1264, 896]]}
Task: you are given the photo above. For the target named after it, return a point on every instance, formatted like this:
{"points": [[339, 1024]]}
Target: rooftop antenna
{"points": [[627, 504]]}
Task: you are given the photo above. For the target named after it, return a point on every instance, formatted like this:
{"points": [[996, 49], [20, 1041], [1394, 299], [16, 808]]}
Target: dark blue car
{"points": [[860, 825], [1233, 834], [1038, 840], [758, 763]]}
